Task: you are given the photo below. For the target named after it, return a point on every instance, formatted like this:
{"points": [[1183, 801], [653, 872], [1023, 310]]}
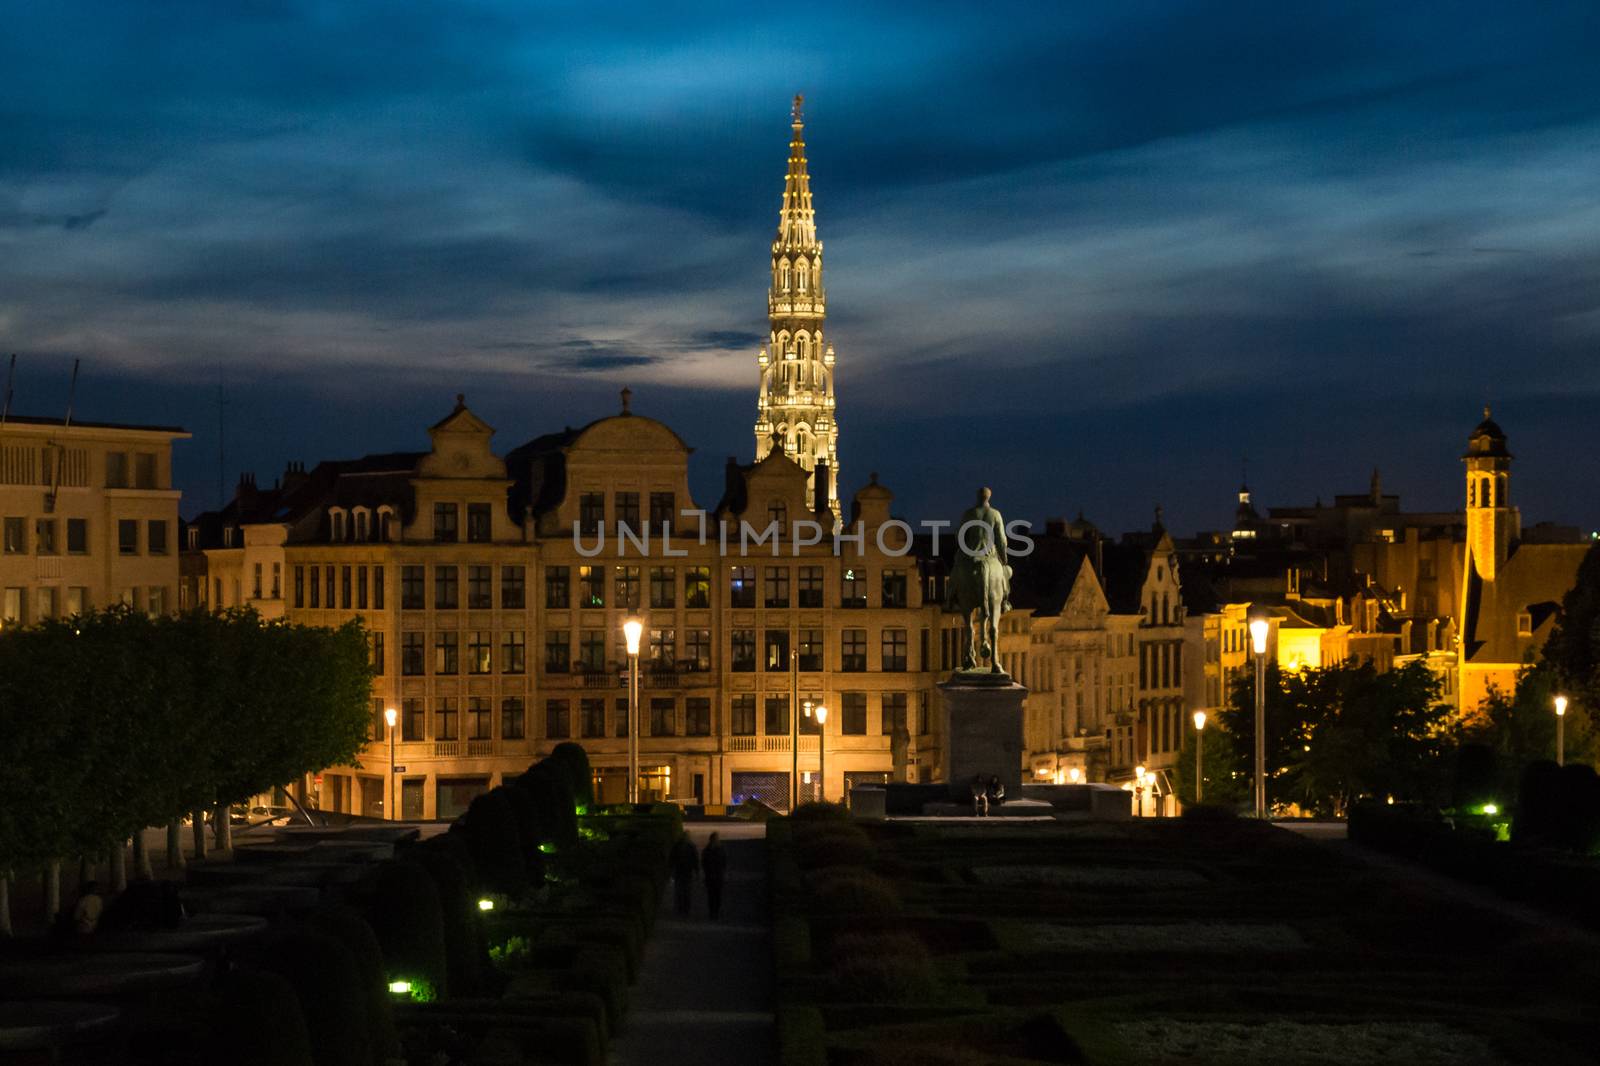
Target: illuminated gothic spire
{"points": [[795, 404]]}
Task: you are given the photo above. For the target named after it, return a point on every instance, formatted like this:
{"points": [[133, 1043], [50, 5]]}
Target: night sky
{"points": [[1092, 254]]}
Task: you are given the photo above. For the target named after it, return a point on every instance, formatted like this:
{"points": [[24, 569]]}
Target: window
{"points": [[299, 586], [663, 716], [513, 652], [778, 515], [17, 536], [156, 600], [445, 726], [742, 715], [810, 649], [513, 720], [446, 652], [363, 524], [744, 651], [742, 586], [336, 525], [853, 588], [591, 512], [446, 518], [557, 651], [592, 716], [853, 714], [777, 586], [361, 585], [697, 587], [316, 588], [378, 664], [385, 524], [663, 587], [777, 655], [622, 716], [77, 600], [627, 579], [446, 588], [592, 652], [480, 645], [277, 583], [479, 525], [480, 719], [663, 648], [480, 588], [377, 588], [16, 606], [697, 651], [411, 725], [894, 712], [663, 511], [922, 714], [894, 588], [327, 573], [894, 649], [344, 588], [557, 588], [78, 536], [591, 586], [127, 536], [809, 593], [144, 470], [410, 587], [697, 716], [116, 470], [777, 719], [556, 725], [376, 725], [255, 587], [627, 504], [853, 646], [44, 537], [1524, 624]]}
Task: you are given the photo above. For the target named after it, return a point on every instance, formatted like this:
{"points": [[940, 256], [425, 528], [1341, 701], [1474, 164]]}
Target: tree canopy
{"points": [[1573, 647], [114, 720]]}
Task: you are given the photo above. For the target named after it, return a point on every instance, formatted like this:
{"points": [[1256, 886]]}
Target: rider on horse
{"points": [[980, 581]]}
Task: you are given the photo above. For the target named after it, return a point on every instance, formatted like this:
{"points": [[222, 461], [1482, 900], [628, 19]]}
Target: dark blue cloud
{"points": [[1113, 245]]}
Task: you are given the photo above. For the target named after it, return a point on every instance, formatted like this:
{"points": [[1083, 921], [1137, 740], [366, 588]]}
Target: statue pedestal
{"points": [[982, 732]]}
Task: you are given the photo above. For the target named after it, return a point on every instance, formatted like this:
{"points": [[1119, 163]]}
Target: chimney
{"points": [[821, 500]]}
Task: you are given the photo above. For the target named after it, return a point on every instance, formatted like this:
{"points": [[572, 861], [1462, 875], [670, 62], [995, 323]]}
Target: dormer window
{"points": [[194, 538], [227, 536], [1524, 624], [385, 523], [778, 513], [363, 520], [336, 524]]}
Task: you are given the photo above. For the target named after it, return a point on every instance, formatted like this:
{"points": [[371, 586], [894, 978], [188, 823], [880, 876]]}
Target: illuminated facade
{"points": [[795, 403]]}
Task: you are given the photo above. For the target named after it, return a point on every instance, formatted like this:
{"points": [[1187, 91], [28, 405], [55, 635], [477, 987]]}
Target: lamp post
{"points": [[390, 717], [1138, 790], [1561, 738], [630, 632], [822, 753], [794, 727], [1259, 628], [1199, 747]]}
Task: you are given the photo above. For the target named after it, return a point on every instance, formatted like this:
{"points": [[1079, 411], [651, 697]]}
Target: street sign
{"points": [[399, 769]]}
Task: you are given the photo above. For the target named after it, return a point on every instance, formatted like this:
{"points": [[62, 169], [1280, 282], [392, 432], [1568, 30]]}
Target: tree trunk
{"points": [[5, 904], [86, 871], [175, 845], [52, 891], [224, 829], [199, 819], [119, 866], [141, 858]]}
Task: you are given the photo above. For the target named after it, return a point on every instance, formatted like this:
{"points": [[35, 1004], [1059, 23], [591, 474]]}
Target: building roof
{"points": [[79, 423]]}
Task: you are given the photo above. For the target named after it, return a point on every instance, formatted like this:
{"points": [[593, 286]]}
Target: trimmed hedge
{"points": [[333, 994], [518, 1030], [466, 949], [405, 913], [492, 830], [350, 929], [240, 1000], [574, 761]]}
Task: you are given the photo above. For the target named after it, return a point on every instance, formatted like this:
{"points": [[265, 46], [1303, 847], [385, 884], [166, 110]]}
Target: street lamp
{"points": [[1258, 639], [390, 717], [822, 753], [1199, 746], [1138, 790], [630, 632], [1561, 738], [1072, 774]]}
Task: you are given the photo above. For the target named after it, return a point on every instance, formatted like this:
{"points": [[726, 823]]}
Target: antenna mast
{"points": [[61, 449]]}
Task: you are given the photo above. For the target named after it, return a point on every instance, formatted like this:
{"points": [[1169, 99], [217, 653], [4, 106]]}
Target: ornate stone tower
{"points": [[795, 406], [1491, 520]]}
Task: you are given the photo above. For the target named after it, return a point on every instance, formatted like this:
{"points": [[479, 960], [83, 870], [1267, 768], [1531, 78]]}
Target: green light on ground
{"points": [[548, 849], [400, 988], [486, 904]]}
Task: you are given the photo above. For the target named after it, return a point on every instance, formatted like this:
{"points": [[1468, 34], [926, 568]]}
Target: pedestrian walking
{"points": [[714, 867], [980, 796], [685, 861]]}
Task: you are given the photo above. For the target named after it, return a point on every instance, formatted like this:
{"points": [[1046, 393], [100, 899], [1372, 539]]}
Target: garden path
{"points": [[704, 993]]}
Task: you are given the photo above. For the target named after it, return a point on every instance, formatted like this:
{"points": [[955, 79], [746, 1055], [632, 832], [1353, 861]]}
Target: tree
{"points": [[1521, 727], [1341, 732], [1573, 647]]}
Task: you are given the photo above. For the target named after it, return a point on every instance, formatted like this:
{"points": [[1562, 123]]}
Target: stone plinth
{"points": [[982, 732]]}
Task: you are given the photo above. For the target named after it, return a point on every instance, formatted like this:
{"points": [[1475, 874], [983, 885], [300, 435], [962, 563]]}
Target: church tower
{"points": [[1491, 520], [795, 407]]}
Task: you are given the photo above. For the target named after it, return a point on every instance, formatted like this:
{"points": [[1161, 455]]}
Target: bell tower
{"points": [[1491, 520], [795, 403]]}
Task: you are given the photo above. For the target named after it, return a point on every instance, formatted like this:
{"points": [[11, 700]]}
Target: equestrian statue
{"points": [[980, 585]]}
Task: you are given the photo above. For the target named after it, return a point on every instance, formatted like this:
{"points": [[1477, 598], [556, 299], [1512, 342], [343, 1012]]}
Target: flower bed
{"points": [[1164, 936], [1125, 877], [1299, 1043]]}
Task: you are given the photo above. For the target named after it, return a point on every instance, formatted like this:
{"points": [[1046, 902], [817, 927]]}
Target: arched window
{"points": [[1472, 492], [802, 346], [336, 523], [362, 521], [801, 275], [386, 523]]}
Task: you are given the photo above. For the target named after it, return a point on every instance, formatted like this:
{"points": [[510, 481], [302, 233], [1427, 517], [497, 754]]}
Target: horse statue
{"points": [[980, 583]]}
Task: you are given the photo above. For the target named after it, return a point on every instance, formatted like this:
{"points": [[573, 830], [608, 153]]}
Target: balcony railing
{"points": [[455, 749]]}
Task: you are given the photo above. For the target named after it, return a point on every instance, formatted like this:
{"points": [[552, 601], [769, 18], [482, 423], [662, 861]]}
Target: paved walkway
{"points": [[704, 993]]}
